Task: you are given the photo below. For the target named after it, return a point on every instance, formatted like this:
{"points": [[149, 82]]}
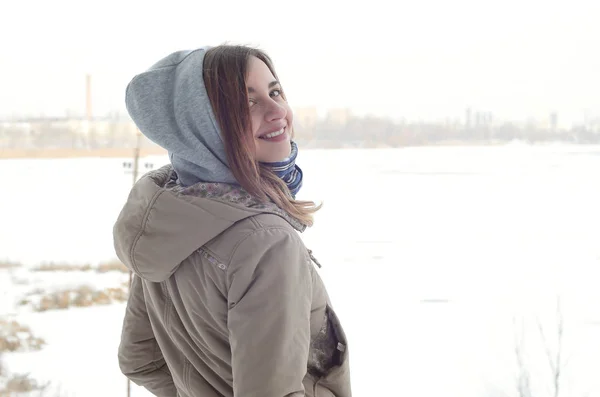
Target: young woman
{"points": [[225, 299]]}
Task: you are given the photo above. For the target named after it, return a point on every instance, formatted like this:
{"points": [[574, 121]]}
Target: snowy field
{"points": [[429, 254]]}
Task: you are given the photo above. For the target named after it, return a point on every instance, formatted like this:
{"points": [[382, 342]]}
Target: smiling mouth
{"points": [[273, 134]]}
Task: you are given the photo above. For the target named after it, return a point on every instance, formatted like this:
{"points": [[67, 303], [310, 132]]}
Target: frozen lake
{"points": [[428, 254]]}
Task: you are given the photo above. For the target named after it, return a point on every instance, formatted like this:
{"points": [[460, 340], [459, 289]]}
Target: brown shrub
{"points": [[56, 300], [17, 337], [64, 267], [118, 294], [100, 298], [81, 297], [21, 384], [115, 266], [16, 384], [9, 265]]}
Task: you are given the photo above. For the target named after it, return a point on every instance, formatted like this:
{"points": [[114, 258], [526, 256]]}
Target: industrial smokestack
{"points": [[88, 97]]}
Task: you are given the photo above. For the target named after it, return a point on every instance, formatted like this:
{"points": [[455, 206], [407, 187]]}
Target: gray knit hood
{"points": [[170, 106]]}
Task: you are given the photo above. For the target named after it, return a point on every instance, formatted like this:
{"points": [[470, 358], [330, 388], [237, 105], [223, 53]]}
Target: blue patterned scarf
{"points": [[288, 171]]}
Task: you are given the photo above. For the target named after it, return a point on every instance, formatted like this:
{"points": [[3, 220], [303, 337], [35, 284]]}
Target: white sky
{"points": [[425, 59]]}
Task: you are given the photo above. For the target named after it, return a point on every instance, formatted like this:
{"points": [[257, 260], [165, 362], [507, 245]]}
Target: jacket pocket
{"points": [[336, 382]]}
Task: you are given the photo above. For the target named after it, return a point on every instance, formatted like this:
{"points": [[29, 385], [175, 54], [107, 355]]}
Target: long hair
{"points": [[224, 72]]}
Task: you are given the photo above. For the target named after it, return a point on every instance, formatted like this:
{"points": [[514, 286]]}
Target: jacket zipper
{"points": [[312, 257]]}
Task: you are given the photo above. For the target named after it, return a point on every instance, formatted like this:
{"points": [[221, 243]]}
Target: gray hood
{"points": [[157, 228], [170, 106]]}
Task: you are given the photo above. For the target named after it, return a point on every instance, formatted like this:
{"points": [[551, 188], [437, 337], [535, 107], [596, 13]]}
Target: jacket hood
{"points": [[158, 227], [170, 105]]}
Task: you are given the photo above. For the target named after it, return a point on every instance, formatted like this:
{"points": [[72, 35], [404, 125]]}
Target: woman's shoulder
{"points": [[264, 228]]}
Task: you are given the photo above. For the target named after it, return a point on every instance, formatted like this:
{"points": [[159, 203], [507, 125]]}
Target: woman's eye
{"points": [[273, 94]]}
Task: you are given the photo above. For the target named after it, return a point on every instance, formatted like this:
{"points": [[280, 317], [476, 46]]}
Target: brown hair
{"points": [[224, 72]]}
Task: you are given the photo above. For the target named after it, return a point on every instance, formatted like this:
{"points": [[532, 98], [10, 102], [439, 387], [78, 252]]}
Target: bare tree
{"points": [[523, 376], [555, 356], [555, 359]]}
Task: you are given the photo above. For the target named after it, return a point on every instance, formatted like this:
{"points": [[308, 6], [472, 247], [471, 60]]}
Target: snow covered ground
{"points": [[428, 254]]}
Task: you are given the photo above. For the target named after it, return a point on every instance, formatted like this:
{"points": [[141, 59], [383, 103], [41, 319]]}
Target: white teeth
{"points": [[274, 134]]}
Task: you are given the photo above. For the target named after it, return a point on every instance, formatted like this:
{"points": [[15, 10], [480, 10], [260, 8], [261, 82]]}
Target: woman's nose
{"points": [[275, 111]]}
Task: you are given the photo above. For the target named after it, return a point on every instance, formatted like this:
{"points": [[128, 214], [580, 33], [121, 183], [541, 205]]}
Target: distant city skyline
{"points": [[420, 61], [470, 116]]}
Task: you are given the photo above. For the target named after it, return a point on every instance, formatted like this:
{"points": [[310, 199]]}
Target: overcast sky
{"points": [[425, 59]]}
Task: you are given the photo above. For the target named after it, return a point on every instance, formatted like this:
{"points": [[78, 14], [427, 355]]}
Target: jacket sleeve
{"points": [[269, 297], [140, 358]]}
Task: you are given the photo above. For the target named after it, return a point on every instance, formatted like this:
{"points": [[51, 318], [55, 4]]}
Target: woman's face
{"points": [[270, 114]]}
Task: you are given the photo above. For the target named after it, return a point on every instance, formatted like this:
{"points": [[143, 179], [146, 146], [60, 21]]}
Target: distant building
{"points": [[305, 122], [553, 121], [468, 118], [306, 117], [339, 116]]}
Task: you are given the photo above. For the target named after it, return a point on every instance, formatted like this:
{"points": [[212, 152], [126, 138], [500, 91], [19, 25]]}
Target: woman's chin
{"points": [[274, 153]]}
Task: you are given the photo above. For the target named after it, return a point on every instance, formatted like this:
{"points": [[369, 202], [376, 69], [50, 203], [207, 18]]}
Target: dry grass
{"points": [[17, 384], [77, 153], [66, 267], [9, 265], [81, 297], [61, 267], [12, 385], [112, 267], [17, 337]]}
